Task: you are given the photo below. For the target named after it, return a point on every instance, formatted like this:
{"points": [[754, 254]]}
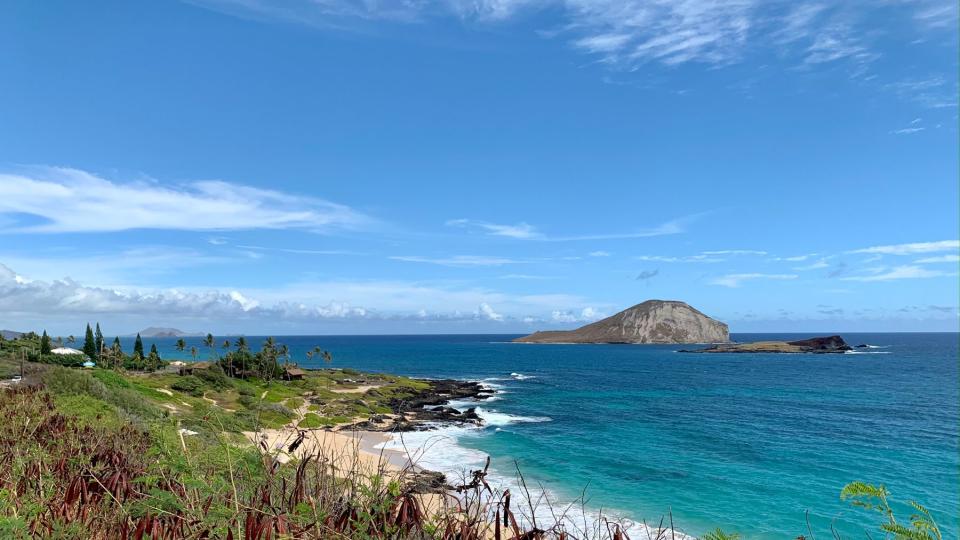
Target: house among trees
{"points": [[188, 369], [294, 373], [65, 351]]}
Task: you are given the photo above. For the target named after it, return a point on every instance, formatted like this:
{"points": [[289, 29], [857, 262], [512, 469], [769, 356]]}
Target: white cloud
{"points": [[736, 280], [520, 230], [587, 314], [71, 200], [912, 248], [933, 92], [907, 131], [715, 256], [599, 253], [688, 258], [796, 258], [836, 42], [114, 267], [939, 259], [735, 252], [459, 260], [484, 311], [627, 33], [67, 299], [524, 276], [902, 272], [525, 231], [822, 263]]}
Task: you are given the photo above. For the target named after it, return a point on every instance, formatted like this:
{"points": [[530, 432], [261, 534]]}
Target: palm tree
{"points": [[320, 353], [71, 339], [242, 349], [116, 353], [285, 353], [226, 355], [181, 344], [193, 353]]}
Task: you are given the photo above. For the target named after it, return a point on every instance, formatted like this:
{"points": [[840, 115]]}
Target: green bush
{"points": [[65, 381], [214, 377], [67, 360], [190, 385]]}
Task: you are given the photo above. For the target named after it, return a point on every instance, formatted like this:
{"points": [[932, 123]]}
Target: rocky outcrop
{"points": [[816, 345], [654, 321], [428, 408]]}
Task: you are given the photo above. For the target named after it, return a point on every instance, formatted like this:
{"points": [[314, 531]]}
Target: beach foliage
{"points": [[876, 498]]}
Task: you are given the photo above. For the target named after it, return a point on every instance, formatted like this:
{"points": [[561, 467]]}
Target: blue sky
{"points": [[338, 166]]}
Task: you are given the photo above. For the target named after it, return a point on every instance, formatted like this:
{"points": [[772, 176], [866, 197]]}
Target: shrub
{"points": [[65, 381], [214, 377], [190, 385]]}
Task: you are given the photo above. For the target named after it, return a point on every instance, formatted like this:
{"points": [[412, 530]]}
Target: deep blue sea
{"points": [[745, 442]]}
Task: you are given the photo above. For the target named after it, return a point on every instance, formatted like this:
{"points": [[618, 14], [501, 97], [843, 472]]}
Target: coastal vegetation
{"points": [[130, 452]]}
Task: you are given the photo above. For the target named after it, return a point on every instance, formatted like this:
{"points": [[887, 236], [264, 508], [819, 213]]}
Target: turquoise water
{"points": [[745, 442]]}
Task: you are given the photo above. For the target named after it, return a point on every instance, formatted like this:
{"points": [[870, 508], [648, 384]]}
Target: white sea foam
{"points": [[866, 352], [495, 418], [521, 376], [440, 450]]}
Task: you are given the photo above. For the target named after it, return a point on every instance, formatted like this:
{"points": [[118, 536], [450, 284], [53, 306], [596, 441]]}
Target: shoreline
{"points": [[420, 445]]}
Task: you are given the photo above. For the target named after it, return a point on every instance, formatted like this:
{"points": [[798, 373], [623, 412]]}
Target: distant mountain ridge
{"points": [[160, 332], [10, 334], [653, 321]]}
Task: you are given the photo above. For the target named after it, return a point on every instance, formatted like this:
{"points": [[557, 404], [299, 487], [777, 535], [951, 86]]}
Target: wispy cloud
{"points": [[939, 259], [70, 200], [735, 252], [908, 130], [736, 280], [525, 231], [627, 33], [902, 272], [521, 230], [912, 248], [714, 256], [599, 253], [933, 92], [796, 258], [702, 258], [459, 260], [822, 263]]}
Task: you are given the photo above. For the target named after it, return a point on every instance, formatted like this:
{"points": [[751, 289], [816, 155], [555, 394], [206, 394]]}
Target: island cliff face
{"points": [[654, 321]]}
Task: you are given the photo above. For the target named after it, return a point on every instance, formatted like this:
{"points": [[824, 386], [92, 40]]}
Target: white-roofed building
{"points": [[65, 351]]}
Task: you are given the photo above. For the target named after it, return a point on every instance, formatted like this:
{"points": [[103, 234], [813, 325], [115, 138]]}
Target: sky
{"points": [[477, 166]]}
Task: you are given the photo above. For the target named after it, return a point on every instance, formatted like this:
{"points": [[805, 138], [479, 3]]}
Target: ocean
{"points": [[753, 443]]}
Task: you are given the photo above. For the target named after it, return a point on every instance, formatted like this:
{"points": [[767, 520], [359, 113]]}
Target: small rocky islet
{"points": [[814, 345], [653, 322]]}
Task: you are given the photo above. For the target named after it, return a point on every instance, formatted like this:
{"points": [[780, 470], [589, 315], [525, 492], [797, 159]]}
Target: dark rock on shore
{"points": [[428, 408], [816, 345], [421, 482]]}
